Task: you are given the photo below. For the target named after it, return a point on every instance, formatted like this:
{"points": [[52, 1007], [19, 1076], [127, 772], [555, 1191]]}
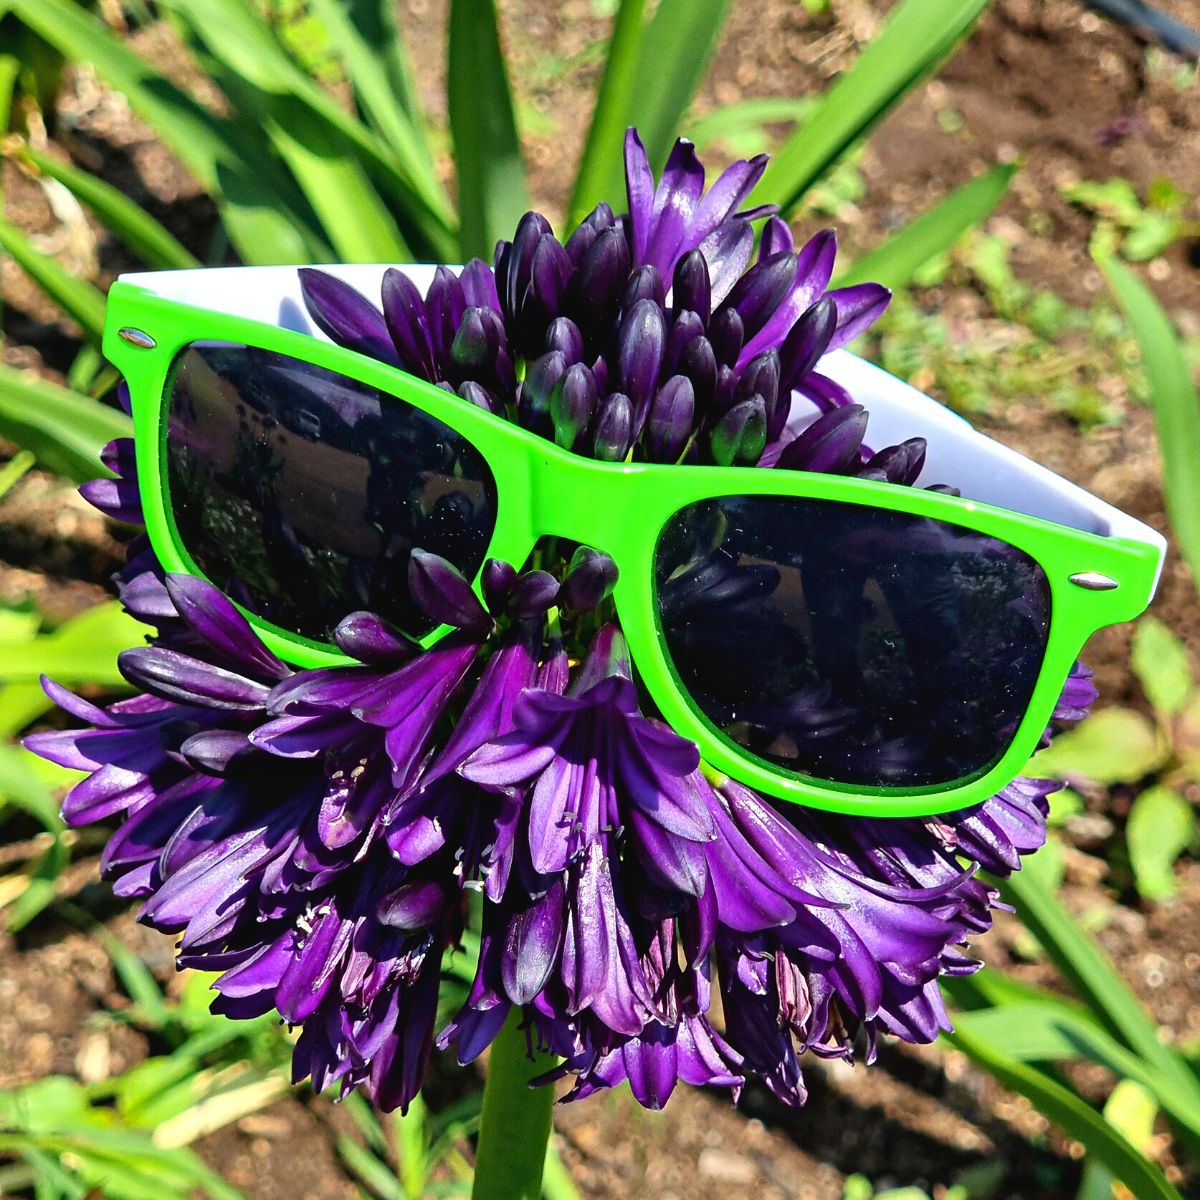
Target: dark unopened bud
{"points": [[368, 638], [404, 312], [646, 283], [564, 335], [727, 335], [686, 327], [944, 489], [690, 288], [445, 304], [640, 346], [535, 592], [597, 285], [599, 219], [806, 341], [723, 397], [699, 364], [572, 405], [589, 580], [899, 464], [614, 428], [476, 342], [740, 436], [760, 377], [479, 285], [761, 290], [514, 263], [442, 591], [831, 444], [533, 408], [499, 580], [672, 418], [477, 394]]}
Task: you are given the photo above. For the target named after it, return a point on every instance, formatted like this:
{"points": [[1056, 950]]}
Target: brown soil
{"points": [[1072, 97]]}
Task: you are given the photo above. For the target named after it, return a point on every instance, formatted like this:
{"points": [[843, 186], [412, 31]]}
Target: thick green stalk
{"points": [[516, 1120]]}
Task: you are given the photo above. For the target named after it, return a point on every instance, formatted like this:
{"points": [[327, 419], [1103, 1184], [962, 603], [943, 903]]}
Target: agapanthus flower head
{"points": [[311, 835]]}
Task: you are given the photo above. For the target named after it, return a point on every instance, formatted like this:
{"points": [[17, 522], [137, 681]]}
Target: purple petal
{"points": [[345, 315], [858, 308]]}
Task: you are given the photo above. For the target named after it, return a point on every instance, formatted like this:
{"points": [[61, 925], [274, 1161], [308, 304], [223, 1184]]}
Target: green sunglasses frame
{"points": [[621, 508]]}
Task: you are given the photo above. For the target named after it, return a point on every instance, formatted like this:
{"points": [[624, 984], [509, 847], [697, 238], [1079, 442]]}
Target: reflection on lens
{"points": [[302, 493], [851, 644]]}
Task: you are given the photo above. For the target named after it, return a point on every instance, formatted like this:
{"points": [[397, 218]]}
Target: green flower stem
{"points": [[516, 1119]]}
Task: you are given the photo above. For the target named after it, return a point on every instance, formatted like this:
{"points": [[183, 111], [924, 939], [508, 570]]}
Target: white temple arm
{"points": [[982, 469]]}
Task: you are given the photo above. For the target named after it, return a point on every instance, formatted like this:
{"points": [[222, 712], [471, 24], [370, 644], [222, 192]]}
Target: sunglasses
{"points": [[848, 644]]}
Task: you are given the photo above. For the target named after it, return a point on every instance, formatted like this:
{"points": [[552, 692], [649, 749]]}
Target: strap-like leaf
{"points": [[265, 215], [76, 297], [145, 236], [601, 165], [492, 194], [934, 232], [918, 35], [675, 52], [65, 430], [1174, 400]]}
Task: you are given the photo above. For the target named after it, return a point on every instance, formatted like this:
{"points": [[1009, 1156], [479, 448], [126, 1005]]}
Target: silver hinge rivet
{"points": [[137, 337], [1093, 581]]}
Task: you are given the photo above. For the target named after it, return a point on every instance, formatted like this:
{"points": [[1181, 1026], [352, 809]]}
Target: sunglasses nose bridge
{"points": [[581, 499]]}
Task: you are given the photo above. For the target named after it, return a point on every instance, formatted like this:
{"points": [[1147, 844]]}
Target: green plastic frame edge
{"points": [[620, 509]]}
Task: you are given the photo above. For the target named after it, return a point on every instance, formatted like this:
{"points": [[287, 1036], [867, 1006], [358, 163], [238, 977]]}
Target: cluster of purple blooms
{"points": [[312, 835]]}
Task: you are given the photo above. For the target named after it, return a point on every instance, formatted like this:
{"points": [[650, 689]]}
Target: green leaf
{"points": [[918, 35], [15, 470], [263, 211], [492, 195], [145, 236], [743, 121], [76, 297], [366, 37], [1114, 745], [1077, 1119], [40, 890], [1174, 400], [65, 430], [673, 58], [1130, 1109], [904, 253], [21, 785], [1161, 826], [82, 650], [601, 164], [1092, 975], [1160, 661]]}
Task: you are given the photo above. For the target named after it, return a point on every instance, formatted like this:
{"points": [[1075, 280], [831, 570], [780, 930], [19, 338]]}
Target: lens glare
{"points": [[851, 644], [302, 492]]}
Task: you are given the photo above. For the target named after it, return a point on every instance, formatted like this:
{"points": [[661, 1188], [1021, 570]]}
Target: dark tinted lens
{"points": [[302, 492], [848, 643]]}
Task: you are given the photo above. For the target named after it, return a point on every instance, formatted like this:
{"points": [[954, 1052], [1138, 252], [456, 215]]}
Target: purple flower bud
{"points": [[564, 335], [672, 417], [543, 373], [404, 312], [640, 345], [690, 288], [645, 283], [549, 272], [535, 592], [614, 428], [686, 327], [944, 489], [479, 285], [368, 638], [830, 444], [740, 436], [899, 464], [588, 582], [595, 223], [572, 405], [477, 394], [761, 376], [498, 579], [726, 333], [476, 342], [699, 364], [515, 264], [445, 304], [806, 341], [442, 591], [723, 397], [600, 374], [598, 283], [345, 315], [776, 239], [761, 290]]}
